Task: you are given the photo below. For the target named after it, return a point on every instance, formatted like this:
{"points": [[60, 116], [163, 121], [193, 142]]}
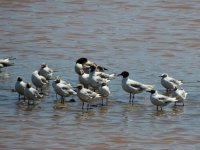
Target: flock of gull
{"points": [[93, 85]]}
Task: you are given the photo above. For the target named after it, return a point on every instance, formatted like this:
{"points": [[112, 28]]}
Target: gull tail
{"points": [[98, 96], [172, 99]]}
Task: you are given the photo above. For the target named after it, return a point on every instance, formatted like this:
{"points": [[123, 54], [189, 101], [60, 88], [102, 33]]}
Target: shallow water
{"points": [[146, 38]]}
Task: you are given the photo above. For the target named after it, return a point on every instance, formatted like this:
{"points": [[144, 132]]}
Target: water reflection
{"points": [[175, 110], [4, 75]]}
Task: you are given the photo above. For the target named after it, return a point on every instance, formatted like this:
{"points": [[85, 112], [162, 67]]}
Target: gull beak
{"points": [[119, 74]]}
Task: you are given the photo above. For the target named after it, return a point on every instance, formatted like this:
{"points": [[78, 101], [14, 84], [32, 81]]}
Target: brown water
{"points": [[146, 38]]}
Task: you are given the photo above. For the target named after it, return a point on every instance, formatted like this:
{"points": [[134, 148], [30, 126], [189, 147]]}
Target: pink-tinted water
{"points": [[146, 38]]}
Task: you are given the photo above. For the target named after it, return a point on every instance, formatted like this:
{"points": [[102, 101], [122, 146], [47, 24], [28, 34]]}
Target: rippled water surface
{"points": [[146, 38]]}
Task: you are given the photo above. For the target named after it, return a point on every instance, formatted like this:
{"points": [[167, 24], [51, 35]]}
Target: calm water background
{"points": [[146, 38]]}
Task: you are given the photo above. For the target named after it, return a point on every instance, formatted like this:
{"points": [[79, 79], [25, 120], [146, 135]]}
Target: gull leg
{"points": [[88, 106], [130, 98], [62, 100], [19, 97], [106, 101], [102, 101], [82, 105]]}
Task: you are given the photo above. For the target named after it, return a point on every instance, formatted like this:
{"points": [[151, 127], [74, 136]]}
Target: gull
{"points": [[104, 91], [5, 62], [61, 81], [159, 99], [20, 85], [84, 64], [102, 74], [38, 80], [169, 83], [83, 78], [31, 93], [63, 89], [95, 81], [132, 86], [180, 95], [86, 95], [45, 71]]}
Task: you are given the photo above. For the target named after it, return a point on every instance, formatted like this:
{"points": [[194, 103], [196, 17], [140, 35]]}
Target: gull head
{"points": [[19, 79], [92, 68], [79, 86], [103, 84], [57, 80], [43, 65], [82, 60], [28, 85], [151, 91], [163, 75], [124, 74], [175, 89]]}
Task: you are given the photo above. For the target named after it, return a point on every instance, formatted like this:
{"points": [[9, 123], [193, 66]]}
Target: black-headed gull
{"points": [[20, 85], [169, 83], [38, 80], [180, 95], [132, 86], [83, 78], [86, 95], [45, 71], [95, 81], [63, 89], [159, 99], [104, 91], [31, 93]]}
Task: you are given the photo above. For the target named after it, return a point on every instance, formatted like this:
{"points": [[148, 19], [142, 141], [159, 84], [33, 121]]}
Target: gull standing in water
{"points": [[63, 89], [95, 81], [168, 82], [180, 95], [133, 87], [45, 71], [5, 62], [159, 99], [20, 85], [86, 95], [83, 78], [31, 93], [38, 80], [104, 91], [61, 81]]}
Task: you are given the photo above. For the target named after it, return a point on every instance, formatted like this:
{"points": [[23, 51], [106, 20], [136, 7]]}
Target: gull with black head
{"points": [[133, 87]]}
